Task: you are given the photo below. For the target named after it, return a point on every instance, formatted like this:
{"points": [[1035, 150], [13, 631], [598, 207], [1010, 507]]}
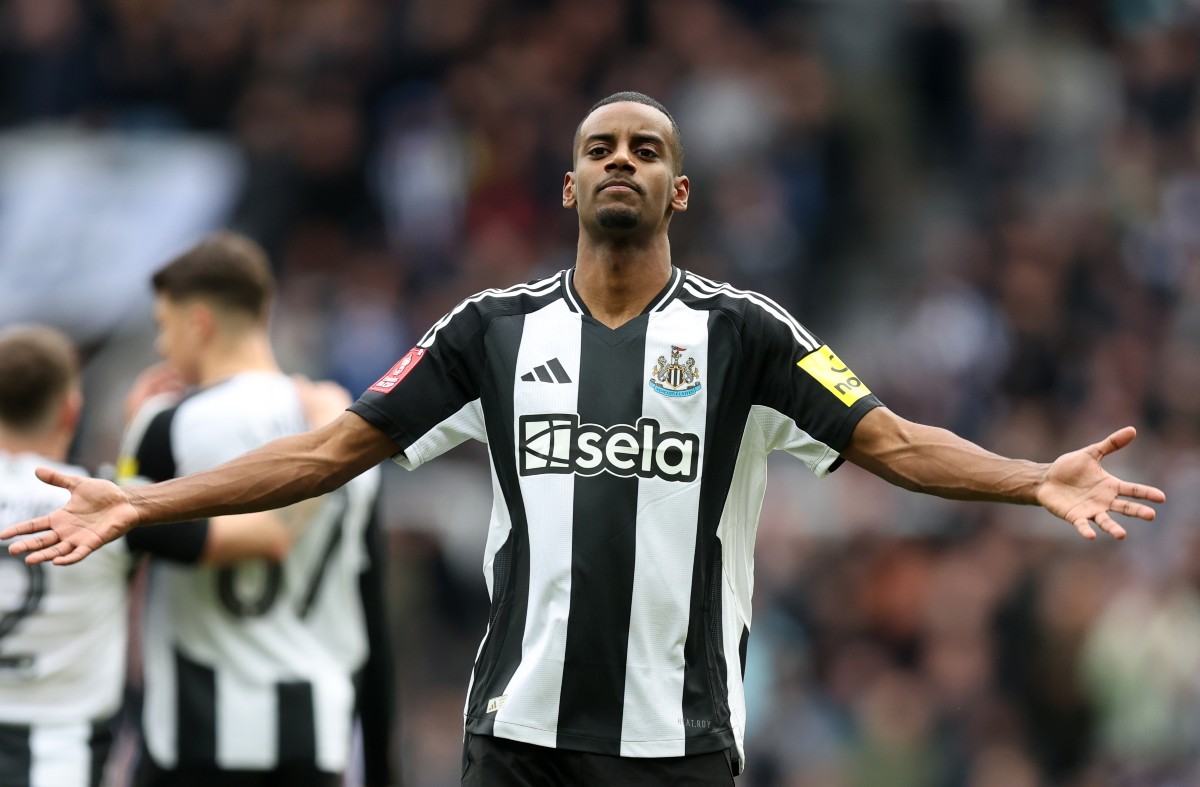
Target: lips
{"points": [[620, 184]]}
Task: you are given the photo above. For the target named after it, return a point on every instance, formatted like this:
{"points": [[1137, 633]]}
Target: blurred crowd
{"points": [[990, 208]]}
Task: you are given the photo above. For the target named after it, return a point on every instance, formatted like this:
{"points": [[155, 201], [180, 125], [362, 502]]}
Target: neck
{"points": [[618, 279], [249, 353], [48, 445]]}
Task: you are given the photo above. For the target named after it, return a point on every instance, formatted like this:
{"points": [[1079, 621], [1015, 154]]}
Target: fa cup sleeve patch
{"points": [[398, 372], [827, 369]]}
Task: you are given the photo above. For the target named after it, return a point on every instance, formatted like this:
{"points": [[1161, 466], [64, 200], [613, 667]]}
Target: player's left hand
{"points": [[1080, 491]]}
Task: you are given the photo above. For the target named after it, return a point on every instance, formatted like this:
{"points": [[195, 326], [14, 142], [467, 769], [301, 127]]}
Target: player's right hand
{"points": [[98, 512]]}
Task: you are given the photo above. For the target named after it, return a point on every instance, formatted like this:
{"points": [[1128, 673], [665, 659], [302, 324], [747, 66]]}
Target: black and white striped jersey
{"points": [[250, 666], [628, 467], [63, 634]]}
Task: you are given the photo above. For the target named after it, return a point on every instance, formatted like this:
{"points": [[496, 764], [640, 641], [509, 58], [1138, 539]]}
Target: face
{"points": [[181, 332], [624, 180]]}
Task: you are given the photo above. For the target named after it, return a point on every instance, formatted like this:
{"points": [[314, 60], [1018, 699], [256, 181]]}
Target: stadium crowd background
{"points": [[991, 209]]}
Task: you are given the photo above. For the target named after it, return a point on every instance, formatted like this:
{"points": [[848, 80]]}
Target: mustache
{"points": [[619, 182]]}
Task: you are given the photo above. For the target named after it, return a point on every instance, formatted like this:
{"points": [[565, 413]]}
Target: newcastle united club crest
{"points": [[675, 377]]}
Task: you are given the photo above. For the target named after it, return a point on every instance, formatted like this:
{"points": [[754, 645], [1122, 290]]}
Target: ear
{"points": [[569, 190], [683, 187], [202, 320], [71, 410]]}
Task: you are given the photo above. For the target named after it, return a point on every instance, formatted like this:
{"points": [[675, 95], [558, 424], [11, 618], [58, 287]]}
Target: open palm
{"points": [[97, 513], [1080, 491]]}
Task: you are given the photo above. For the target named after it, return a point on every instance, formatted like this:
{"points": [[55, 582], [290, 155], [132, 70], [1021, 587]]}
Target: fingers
{"points": [[44, 538], [56, 478], [1114, 442], [1104, 522], [50, 548], [74, 556], [1141, 492], [1109, 525], [1130, 508], [40, 548], [1085, 529], [22, 529]]}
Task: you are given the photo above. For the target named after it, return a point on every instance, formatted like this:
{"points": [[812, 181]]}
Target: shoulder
{"points": [[755, 315], [22, 495], [240, 397], [156, 413], [481, 308], [245, 409], [17, 477]]}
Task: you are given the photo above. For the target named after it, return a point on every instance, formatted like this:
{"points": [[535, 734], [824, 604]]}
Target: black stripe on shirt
{"points": [[501, 653], [297, 739], [155, 457], [16, 755], [196, 713], [178, 542], [603, 548], [705, 682], [100, 743]]}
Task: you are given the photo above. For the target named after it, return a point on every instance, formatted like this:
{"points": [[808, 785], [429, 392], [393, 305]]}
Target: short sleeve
{"points": [[428, 401], [147, 456], [808, 401]]}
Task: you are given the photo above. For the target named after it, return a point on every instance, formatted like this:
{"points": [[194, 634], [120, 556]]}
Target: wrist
{"points": [[1042, 476], [136, 503]]}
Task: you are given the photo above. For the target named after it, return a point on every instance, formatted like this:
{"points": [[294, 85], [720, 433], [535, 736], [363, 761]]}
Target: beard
{"points": [[618, 217]]}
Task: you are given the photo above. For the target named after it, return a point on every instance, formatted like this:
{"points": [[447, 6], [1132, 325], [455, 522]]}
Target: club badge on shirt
{"points": [[676, 377]]}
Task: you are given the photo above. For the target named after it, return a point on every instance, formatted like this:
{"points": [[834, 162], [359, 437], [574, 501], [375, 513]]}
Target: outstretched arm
{"points": [[278, 474], [1074, 487]]}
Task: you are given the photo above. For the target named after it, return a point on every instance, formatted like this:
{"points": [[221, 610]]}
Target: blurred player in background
{"points": [[251, 666], [62, 628], [629, 407]]}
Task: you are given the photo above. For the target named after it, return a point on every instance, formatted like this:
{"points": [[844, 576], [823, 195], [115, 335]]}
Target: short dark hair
{"points": [[227, 269], [638, 98], [38, 366]]}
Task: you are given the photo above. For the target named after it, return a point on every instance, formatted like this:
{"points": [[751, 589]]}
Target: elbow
{"points": [[889, 447]]}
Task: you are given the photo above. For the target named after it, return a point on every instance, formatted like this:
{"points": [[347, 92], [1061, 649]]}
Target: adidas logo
{"points": [[550, 372]]}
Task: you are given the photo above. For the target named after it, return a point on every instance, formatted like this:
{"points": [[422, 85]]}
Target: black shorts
{"points": [[497, 762], [149, 774]]}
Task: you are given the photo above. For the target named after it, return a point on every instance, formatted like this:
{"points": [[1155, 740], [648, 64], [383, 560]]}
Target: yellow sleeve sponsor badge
{"points": [[127, 469], [827, 369]]}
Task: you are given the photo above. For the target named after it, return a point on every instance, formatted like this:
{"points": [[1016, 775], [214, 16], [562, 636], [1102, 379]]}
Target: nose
{"points": [[622, 159]]}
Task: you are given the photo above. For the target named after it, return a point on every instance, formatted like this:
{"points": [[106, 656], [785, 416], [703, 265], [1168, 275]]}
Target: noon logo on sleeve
{"points": [[827, 369]]}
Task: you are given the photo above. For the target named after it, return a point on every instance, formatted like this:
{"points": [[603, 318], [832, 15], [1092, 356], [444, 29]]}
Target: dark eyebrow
{"points": [[640, 137], [647, 136]]}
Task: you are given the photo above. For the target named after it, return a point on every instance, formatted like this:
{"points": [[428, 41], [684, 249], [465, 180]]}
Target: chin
{"points": [[618, 217]]}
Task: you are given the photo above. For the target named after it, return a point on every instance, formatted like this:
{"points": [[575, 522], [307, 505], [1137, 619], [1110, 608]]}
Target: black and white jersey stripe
{"points": [[63, 638], [703, 288], [251, 666], [59, 754], [619, 554], [532, 289]]}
